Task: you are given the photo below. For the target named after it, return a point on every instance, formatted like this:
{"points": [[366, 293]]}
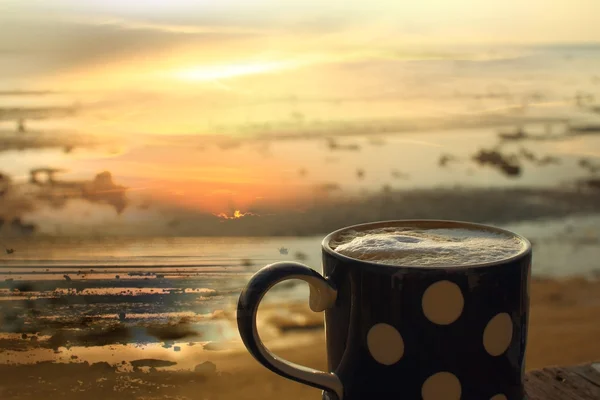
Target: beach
{"points": [[564, 327], [154, 318]]}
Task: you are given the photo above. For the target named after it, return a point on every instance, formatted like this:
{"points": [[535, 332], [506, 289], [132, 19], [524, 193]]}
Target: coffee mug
{"points": [[408, 332]]}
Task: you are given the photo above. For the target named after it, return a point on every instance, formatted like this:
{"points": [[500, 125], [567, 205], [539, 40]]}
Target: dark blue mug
{"points": [[406, 332]]}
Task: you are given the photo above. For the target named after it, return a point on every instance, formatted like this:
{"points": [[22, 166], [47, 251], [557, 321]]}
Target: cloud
{"points": [[65, 35], [23, 200], [39, 46], [189, 29]]}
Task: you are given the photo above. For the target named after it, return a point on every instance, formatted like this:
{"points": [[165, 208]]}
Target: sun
{"points": [[236, 215]]}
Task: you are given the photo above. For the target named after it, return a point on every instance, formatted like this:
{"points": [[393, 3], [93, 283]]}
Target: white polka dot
{"points": [[499, 397], [441, 386], [385, 344], [443, 302], [498, 334]]}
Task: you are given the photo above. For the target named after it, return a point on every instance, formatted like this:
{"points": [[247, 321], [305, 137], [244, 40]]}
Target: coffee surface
{"points": [[427, 247]]}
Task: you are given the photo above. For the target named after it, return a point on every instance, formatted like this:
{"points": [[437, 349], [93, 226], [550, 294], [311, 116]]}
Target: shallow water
{"points": [[170, 290]]}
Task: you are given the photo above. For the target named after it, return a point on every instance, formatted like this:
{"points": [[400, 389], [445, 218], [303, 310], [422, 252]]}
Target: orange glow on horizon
{"points": [[217, 197], [213, 181]]}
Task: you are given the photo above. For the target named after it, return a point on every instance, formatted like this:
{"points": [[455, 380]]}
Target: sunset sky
{"points": [[186, 57], [151, 72], [161, 43]]}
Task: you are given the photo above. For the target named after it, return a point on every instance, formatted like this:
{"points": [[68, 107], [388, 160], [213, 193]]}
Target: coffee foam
{"points": [[427, 247]]}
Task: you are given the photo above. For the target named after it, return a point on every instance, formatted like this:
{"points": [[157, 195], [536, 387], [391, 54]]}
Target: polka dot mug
{"points": [[408, 332]]}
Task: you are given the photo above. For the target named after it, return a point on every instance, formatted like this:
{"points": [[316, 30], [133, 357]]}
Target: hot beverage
{"points": [[414, 309], [431, 246]]}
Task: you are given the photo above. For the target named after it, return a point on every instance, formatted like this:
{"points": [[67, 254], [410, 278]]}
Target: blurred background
{"points": [[153, 155]]}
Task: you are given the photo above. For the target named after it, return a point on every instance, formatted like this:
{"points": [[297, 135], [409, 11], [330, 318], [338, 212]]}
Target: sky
{"points": [[150, 72], [137, 42]]}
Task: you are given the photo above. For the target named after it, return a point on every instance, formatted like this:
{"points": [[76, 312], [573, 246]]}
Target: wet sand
{"points": [[564, 328]]}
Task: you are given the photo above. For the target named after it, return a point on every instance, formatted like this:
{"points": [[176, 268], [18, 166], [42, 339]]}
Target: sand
{"points": [[564, 329]]}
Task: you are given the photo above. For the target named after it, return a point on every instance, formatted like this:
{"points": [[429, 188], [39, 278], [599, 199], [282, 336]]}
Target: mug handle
{"points": [[322, 296]]}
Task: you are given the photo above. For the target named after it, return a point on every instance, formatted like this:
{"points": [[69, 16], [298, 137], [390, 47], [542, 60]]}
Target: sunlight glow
{"points": [[236, 215], [208, 73]]}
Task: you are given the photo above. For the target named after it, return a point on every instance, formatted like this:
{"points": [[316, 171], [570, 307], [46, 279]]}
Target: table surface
{"points": [[580, 382]]}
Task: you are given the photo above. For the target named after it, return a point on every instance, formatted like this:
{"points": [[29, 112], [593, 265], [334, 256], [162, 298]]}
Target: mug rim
{"points": [[521, 254]]}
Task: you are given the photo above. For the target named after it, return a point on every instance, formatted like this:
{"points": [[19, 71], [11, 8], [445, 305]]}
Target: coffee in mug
{"points": [[415, 309], [398, 245]]}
